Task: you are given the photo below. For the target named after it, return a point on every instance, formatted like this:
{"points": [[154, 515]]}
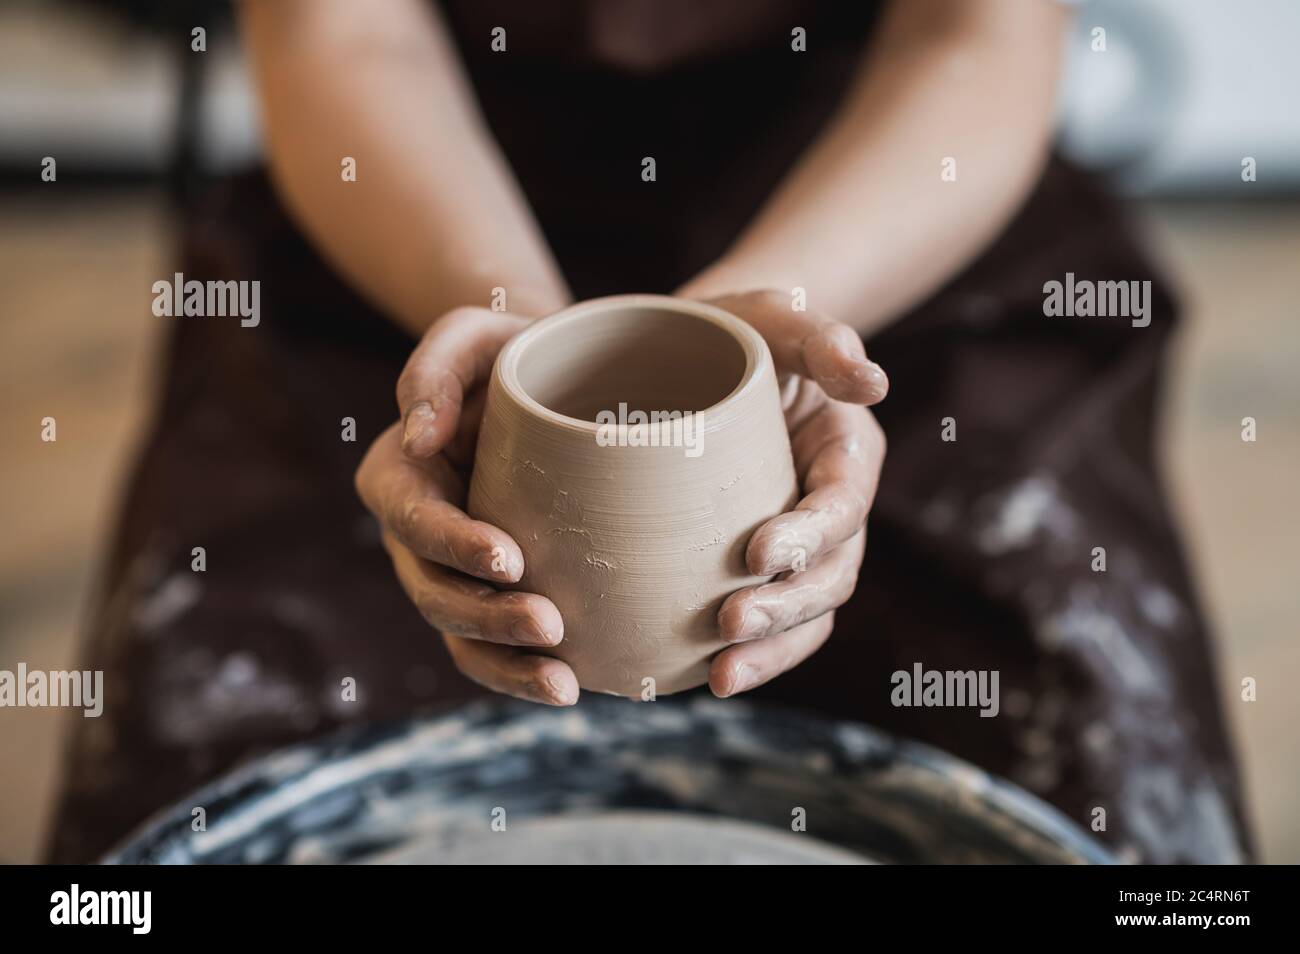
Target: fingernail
{"points": [[559, 691], [496, 562], [527, 631], [785, 558], [755, 624], [744, 679], [875, 377], [419, 420]]}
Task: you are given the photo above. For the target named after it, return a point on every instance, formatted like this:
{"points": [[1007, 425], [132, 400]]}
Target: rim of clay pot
{"points": [[757, 356]]}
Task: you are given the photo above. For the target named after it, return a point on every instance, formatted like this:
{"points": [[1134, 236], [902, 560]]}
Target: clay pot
{"points": [[637, 533]]}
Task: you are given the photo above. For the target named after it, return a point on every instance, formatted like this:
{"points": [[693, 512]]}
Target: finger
{"points": [[455, 354], [806, 343], [412, 501], [459, 606], [523, 675], [741, 668], [772, 608], [843, 448]]}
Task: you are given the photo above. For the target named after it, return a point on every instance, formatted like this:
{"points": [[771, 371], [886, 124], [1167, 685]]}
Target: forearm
{"points": [[865, 223], [434, 218]]}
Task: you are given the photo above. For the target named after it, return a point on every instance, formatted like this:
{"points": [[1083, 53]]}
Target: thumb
{"points": [[454, 356], [821, 349]]}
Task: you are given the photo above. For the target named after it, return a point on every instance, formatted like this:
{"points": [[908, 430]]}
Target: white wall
{"points": [[1185, 89]]}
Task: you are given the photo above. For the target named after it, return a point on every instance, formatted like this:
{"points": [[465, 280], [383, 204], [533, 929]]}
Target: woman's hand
{"points": [[817, 548], [414, 480]]}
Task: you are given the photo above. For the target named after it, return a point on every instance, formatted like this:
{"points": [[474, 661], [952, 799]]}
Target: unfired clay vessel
{"points": [[636, 533]]}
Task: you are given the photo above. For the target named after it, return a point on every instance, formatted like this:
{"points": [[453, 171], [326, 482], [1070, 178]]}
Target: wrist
{"points": [[731, 276], [532, 298]]}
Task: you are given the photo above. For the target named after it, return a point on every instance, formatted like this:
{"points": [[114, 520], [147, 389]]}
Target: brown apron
{"points": [[980, 552]]}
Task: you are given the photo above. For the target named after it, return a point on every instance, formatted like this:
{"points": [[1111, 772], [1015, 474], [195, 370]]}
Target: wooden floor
{"points": [[77, 342]]}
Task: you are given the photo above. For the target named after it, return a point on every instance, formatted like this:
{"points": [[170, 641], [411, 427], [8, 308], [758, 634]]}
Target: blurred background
{"points": [[1183, 92]]}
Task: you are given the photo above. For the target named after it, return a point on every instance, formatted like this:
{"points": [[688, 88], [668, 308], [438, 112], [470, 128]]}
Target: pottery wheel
{"points": [[612, 782], [623, 838]]}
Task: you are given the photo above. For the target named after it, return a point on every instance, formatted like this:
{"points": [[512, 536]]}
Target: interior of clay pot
{"points": [[651, 359]]}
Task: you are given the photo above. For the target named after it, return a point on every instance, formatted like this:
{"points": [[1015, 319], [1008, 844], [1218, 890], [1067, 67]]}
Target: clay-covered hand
{"points": [[414, 478], [817, 548]]}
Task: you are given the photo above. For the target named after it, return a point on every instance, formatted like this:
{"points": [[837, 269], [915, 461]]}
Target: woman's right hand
{"points": [[414, 480]]}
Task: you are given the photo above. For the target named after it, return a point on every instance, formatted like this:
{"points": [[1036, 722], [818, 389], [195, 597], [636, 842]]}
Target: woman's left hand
{"points": [[816, 549]]}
